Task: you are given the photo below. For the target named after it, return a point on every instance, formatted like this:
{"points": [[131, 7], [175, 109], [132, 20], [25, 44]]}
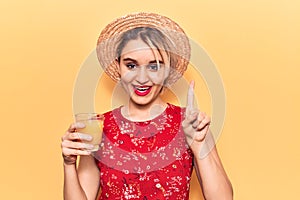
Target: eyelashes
{"points": [[131, 66], [151, 67]]}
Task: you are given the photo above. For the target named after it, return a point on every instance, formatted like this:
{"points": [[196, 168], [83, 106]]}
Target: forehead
{"points": [[139, 49]]}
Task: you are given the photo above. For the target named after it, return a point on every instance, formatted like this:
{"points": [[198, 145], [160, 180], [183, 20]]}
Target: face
{"points": [[143, 71]]}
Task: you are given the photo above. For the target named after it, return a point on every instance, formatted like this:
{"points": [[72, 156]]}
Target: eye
{"points": [[153, 67], [131, 66]]}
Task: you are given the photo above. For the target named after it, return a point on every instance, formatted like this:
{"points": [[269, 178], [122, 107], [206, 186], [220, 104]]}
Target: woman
{"points": [[149, 147]]}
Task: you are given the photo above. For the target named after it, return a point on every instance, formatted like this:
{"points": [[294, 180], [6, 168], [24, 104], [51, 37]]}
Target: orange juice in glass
{"points": [[93, 126]]}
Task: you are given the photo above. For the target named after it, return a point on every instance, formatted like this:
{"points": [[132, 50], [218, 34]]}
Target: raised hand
{"points": [[196, 123]]}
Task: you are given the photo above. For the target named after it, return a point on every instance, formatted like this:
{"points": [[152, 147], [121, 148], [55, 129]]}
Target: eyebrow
{"points": [[129, 59], [135, 61]]}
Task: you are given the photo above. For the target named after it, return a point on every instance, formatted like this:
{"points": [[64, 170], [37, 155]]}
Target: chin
{"points": [[141, 102]]}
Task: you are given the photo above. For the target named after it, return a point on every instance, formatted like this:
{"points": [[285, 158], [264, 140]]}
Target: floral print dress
{"points": [[144, 160]]}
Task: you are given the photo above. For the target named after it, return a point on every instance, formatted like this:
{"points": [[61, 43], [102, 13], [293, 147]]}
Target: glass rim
{"points": [[88, 116], [87, 113]]}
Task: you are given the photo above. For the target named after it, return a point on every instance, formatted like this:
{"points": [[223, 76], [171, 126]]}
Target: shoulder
{"points": [[176, 110], [114, 112], [110, 117]]}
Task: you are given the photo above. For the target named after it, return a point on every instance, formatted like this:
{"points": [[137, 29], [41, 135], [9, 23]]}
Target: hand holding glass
{"points": [[93, 126]]}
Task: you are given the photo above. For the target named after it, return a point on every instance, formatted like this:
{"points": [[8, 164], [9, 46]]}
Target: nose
{"points": [[142, 75]]}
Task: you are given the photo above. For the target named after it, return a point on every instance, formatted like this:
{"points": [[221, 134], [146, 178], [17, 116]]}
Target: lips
{"points": [[142, 90]]}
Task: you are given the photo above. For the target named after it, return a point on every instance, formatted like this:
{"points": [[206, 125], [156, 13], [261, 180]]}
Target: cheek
{"points": [[127, 76], [126, 85], [159, 77], [127, 79]]}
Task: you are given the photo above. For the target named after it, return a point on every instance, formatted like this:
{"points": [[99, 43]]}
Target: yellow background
{"points": [[255, 45]]}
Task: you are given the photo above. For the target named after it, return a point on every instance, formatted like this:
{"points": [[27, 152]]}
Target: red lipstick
{"points": [[142, 90]]}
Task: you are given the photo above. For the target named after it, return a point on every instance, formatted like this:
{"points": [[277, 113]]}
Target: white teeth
{"points": [[141, 89]]}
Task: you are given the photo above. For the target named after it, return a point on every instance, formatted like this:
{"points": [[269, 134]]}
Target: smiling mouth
{"points": [[142, 90]]}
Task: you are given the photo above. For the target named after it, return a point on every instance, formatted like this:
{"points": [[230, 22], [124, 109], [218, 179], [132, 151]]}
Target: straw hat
{"points": [[110, 37]]}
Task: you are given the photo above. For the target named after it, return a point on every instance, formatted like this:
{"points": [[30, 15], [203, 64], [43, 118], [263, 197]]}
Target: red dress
{"points": [[144, 160]]}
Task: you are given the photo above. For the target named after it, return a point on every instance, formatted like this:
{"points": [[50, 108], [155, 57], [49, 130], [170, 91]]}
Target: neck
{"points": [[136, 112]]}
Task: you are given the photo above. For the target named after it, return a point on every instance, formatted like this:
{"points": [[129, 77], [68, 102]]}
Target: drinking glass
{"points": [[93, 126]]}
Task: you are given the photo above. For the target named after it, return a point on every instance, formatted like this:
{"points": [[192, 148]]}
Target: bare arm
{"points": [[80, 183], [210, 172]]}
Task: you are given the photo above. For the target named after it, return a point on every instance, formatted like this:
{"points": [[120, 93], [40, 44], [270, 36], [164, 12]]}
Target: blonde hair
{"points": [[154, 38]]}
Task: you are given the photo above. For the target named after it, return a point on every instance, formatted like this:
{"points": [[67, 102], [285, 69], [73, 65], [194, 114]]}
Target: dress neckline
{"points": [[119, 114]]}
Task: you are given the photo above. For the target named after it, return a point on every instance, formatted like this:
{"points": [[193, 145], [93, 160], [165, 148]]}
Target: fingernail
{"points": [[84, 136], [194, 113], [74, 135], [88, 137], [89, 146], [80, 125]]}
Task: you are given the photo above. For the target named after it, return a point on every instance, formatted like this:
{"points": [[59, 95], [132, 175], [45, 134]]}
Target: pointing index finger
{"points": [[190, 97]]}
